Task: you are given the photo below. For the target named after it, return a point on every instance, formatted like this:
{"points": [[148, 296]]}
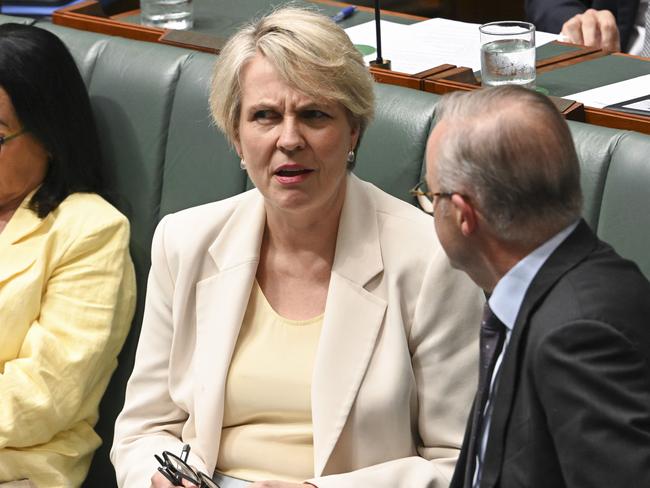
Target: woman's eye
{"points": [[265, 115], [314, 114]]}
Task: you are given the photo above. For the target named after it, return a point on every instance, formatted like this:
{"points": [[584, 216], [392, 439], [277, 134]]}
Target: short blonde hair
{"points": [[312, 55]]}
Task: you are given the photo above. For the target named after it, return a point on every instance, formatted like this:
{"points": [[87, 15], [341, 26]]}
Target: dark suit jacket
{"points": [[572, 404], [549, 15]]}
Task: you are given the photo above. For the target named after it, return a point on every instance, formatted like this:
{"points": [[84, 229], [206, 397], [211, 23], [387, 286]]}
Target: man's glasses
{"points": [[176, 469], [427, 198], [4, 139]]}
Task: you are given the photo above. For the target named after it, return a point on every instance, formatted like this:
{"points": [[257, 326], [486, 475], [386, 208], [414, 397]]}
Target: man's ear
{"points": [[465, 214]]}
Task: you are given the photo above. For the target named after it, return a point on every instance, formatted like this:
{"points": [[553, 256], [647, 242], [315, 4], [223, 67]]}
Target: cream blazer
{"points": [[67, 294], [395, 368]]}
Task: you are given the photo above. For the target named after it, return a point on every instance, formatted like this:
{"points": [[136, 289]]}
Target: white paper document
{"points": [[614, 93], [424, 45]]}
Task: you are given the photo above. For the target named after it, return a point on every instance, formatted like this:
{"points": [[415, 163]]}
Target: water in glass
{"points": [[167, 14], [508, 61]]}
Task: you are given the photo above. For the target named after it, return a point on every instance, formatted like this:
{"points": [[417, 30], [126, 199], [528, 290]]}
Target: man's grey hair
{"points": [[510, 151]]}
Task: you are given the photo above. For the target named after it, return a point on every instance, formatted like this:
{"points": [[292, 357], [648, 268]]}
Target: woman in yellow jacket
{"points": [[67, 285]]}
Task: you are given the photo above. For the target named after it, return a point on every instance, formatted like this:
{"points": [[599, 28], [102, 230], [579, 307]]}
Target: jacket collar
{"points": [[358, 252], [23, 222], [352, 320]]}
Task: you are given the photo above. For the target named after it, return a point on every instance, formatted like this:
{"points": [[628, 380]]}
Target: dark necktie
{"points": [[492, 336], [645, 51]]}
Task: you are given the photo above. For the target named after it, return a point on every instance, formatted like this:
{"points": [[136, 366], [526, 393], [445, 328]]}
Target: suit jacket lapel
{"points": [[221, 301], [353, 318], [463, 471], [22, 224], [569, 253]]}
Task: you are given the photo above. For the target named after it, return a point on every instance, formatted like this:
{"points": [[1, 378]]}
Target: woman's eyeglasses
{"points": [[4, 139], [176, 469], [427, 198]]}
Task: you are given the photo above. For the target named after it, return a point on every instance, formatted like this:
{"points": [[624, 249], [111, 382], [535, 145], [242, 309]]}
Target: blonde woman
{"points": [[310, 329]]}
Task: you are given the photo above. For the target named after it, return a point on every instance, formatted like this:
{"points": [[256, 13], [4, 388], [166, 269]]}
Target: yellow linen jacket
{"points": [[67, 294], [395, 368]]}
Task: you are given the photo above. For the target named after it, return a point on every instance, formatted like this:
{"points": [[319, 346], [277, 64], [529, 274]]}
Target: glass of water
{"points": [[508, 53], [167, 14]]}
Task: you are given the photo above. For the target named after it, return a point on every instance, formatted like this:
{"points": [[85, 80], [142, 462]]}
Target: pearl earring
{"points": [[242, 164], [351, 156]]}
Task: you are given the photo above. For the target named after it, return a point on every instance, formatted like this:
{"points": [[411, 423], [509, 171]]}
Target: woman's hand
{"points": [[159, 481]]}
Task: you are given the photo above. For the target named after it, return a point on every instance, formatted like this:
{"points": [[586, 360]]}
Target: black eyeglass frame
{"points": [[5, 139], [168, 469]]}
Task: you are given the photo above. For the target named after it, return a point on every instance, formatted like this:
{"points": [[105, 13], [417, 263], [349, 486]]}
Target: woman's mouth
{"points": [[290, 174]]}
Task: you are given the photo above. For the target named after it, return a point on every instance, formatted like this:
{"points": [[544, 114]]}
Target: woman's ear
{"points": [[238, 148], [355, 133]]}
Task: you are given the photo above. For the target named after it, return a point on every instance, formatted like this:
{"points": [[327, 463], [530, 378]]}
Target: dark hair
{"points": [[50, 99]]}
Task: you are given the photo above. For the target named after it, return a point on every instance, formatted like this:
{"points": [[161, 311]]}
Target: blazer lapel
{"points": [[353, 318], [22, 224], [572, 251], [462, 475], [221, 301]]}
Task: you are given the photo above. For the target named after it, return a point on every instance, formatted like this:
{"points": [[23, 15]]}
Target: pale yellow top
{"points": [[267, 427]]}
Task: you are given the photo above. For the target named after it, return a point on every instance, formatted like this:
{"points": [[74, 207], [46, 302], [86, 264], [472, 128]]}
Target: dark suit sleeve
{"points": [[594, 383], [550, 15]]}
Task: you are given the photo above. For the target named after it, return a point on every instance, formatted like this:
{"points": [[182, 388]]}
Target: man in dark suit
{"points": [[564, 386], [607, 24]]}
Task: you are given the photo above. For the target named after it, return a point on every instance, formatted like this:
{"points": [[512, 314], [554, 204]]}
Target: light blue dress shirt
{"points": [[505, 302]]}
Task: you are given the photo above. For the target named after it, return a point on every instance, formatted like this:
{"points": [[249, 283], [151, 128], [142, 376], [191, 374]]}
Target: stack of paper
{"points": [[615, 93], [424, 45]]}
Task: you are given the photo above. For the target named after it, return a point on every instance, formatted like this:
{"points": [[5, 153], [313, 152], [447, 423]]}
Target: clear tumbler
{"points": [[167, 14], [508, 53]]}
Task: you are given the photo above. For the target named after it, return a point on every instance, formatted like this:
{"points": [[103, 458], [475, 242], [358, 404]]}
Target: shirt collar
{"points": [[508, 294]]}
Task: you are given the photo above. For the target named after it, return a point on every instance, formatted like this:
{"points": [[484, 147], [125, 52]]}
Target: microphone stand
{"points": [[380, 62]]}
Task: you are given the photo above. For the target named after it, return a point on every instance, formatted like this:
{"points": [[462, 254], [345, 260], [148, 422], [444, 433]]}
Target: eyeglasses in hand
{"points": [[176, 469]]}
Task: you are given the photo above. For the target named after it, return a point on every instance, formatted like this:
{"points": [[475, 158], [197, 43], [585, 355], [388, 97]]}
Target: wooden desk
{"points": [[582, 69], [211, 28], [438, 79]]}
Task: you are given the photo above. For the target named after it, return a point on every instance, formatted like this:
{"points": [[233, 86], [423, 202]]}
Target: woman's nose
{"points": [[291, 137]]}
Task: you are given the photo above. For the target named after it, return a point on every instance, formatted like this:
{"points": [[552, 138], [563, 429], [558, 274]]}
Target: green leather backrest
{"points": [[625, 210], [200, 166], [594, 146], [392, 149]]}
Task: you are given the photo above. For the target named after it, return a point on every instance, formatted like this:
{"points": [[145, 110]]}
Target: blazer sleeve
{"points": [[151, 422], [550, 15], [594, 382], [443, 343], [70, 350]]}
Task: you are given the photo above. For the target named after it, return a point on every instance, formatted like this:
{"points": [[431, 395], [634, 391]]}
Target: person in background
{"points": [[612, 25], [311, 329], [67, 287], [564, 384]]}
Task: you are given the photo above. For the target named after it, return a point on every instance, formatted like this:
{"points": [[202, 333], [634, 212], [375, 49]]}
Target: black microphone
{"points": [[380, 62]]}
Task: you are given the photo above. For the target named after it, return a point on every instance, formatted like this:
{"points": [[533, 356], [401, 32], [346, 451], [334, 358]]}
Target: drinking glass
{"points": [[508, 53], [167, 14]]}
